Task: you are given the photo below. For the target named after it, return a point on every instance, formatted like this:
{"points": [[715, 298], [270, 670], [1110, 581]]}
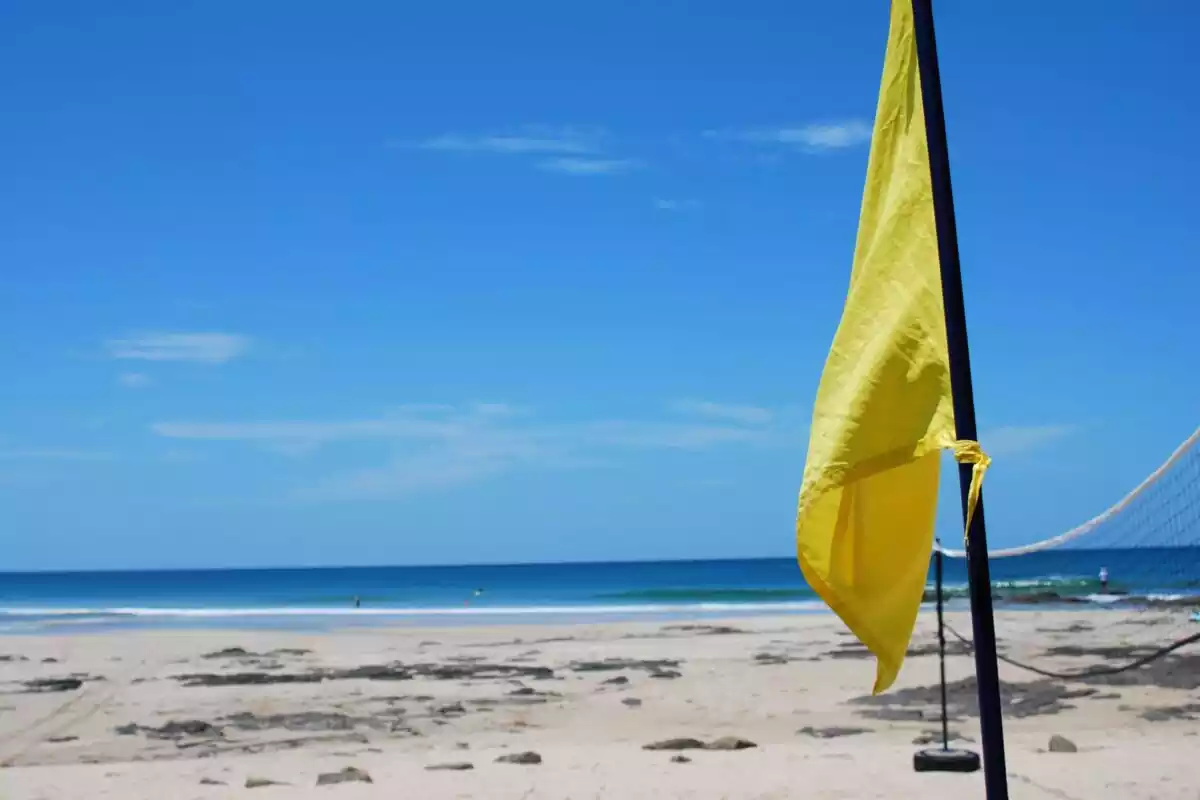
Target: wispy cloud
{"points": [[203, 348], [567, 151], [812, 138], [54, 454], [589, 166], [1017, 439], [437, 446], [667, 204], [533, 140], [135, 380], [300, 432], [746, 415]]}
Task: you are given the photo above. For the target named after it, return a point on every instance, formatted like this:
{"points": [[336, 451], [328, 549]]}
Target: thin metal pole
{"points": [[986, 672], [937, 561]]}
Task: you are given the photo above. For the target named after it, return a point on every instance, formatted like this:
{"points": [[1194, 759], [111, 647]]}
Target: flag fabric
{"points": [[883, 411]]}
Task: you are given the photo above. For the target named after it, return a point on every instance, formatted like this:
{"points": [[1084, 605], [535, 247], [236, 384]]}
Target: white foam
{"points": [[1106, 598], [201, 613]]}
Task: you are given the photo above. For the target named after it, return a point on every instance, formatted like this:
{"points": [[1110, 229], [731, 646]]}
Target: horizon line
{"points": [[298, 568]]}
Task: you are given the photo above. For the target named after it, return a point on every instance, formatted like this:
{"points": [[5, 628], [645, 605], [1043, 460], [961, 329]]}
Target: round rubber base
{"points": [[939, 760]]}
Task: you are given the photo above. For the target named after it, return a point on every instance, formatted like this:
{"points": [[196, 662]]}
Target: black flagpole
{"points": [[986, 672]]}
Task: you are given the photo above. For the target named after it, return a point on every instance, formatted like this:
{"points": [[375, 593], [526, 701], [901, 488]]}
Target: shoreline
{"points": [[17, 621]]}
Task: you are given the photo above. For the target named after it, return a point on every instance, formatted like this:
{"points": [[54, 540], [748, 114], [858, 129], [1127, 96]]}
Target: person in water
{"points": [[357, 602], [1104, 579]]}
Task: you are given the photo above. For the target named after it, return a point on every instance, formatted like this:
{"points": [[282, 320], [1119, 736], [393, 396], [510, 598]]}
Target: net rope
{"points": [[1187, 454], [1085, 627]]}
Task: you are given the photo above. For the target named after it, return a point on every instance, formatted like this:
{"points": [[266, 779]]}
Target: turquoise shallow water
{"points": [[325, 597]]}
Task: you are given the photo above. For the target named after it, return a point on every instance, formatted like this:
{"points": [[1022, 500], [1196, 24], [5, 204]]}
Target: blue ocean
{"points": [[351, 596]]}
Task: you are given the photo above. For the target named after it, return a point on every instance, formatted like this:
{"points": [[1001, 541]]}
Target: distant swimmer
{"points": [[357, 602], [1104, 579]]}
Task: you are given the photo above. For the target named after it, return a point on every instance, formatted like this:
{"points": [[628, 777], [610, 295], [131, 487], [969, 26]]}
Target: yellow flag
{"points": [[883, 412]]}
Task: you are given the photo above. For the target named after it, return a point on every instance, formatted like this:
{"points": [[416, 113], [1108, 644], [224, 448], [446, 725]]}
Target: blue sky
{"points": [[311, 283]]}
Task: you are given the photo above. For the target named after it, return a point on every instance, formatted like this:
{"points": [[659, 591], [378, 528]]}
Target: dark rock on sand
{"points": [[848, 650], [453, 709], [632, 702], [258, 783], [62, 739], [832, 732], [11, 658], [704, 630], [528, 757], [1174, 671], [178, 729], [1017, 700], [1074, 627], [49, 660], [900, 714], [953, 648], [372, 672], [730, 743], [214, 782], [347, 775], [53, 685], [229, 652], [675, 744], [126, 730], [247, 678], [680, 759], [241, 652], [453, 766], [1061, 744], [1189, 711], [1118, 652], [666, 674], [620, 680], [933, 736], [304, 721], [480, 671], [614, 664], [769, 659]]}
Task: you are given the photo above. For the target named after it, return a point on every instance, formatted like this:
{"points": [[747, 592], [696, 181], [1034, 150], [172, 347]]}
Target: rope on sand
{"points": [[1090, 671]]}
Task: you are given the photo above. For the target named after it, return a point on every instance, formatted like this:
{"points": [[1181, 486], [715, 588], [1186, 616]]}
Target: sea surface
{"points": [[323, 598]]}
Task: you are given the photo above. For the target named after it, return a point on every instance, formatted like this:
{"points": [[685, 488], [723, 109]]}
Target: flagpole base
{"points": [[945, 760]]}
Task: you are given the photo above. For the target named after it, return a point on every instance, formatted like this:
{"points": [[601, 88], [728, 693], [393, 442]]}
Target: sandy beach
{"points": [[773, 707]]}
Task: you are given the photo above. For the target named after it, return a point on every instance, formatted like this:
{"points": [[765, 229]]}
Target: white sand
{"points": [[591, 742]]}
